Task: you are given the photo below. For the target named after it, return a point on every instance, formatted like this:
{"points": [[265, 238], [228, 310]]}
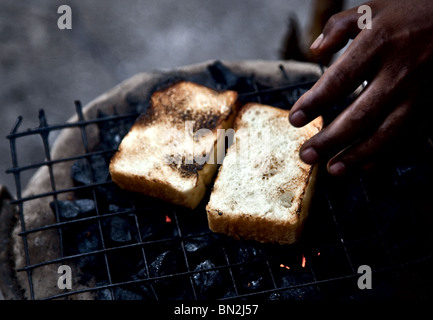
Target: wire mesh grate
{"points": [[141, 248]]}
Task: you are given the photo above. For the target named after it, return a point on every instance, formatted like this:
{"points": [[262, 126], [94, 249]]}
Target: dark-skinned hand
{"points": [[395, 57]]}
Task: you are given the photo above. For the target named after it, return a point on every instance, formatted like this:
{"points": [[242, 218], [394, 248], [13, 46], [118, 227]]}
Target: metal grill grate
{"points": [[363, 219]]}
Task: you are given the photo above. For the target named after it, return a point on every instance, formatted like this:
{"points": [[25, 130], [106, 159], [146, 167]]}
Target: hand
{"points": [[395, 57]]}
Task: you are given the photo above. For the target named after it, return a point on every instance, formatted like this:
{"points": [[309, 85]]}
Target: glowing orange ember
{"points": [[283, 266], [303, 261], [167, 219]]}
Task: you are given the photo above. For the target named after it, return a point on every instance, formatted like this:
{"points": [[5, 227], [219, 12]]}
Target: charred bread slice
{"points": [[169, 153]]}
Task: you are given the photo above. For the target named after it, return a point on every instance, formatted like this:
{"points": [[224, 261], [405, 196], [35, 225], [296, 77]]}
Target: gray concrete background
{"points": [[110, 41]]}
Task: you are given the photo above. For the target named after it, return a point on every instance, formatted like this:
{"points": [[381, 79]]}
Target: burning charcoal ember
{"points": [[82, 172], [255, 284], [151, 225], [332, 262], [208, 283], [69, 210], [295, 272]]}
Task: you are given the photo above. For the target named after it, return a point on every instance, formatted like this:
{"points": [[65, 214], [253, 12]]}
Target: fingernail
{"points": [[298, 118], [316, 44], [337, 169], [309, 155]]}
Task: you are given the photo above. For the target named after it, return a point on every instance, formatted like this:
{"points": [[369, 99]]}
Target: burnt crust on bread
{"points": [[174, 104], [187, 169], [151, 158]]}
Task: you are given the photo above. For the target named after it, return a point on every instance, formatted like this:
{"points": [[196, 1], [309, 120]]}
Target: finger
{"points": [[359, 119], [354, 66], [337, 31], [375, 146]]}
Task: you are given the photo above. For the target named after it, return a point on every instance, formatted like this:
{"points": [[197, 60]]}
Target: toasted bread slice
{"points": [[263, 190], [160, 155]]}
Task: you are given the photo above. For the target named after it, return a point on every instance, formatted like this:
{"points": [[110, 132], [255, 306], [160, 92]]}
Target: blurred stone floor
{"points": [[110, 41]]}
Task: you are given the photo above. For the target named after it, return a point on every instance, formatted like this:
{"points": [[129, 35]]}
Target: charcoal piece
{"points": [[175, 287], [255, 284], [127, 292], [104, 294], [164, 264], [199, 244], [151, 224], [298, 294], [111, 132], [253, 281], [85, 174], [244, 251], [248, 252], [193, 247], [141, 273], [222, 75], [207, 283], [203, 248], [88, 241], [69, 210], [138, 104], [293, 95], [120, 230], [252, 278], [112, 194], [245, 85], [114, 208]]}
